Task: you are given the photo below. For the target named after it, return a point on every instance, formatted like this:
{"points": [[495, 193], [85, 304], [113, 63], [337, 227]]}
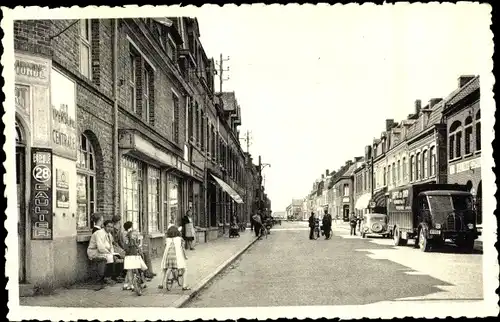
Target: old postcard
{"points": [[254, 161]]}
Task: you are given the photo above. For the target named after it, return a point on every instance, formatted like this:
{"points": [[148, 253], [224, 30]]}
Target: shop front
{"points": [[362, 204], [379, 201], [151, 192], [229, 199]]}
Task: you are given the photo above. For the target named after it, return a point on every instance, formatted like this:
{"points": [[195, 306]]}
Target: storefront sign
{"points": [[41, 194], [32, 69], [465, 165], [398, 200], [62, 192], [63, 114], [345, 199]]}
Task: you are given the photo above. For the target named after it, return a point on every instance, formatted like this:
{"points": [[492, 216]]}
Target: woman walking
{"points": [[188, 231]]}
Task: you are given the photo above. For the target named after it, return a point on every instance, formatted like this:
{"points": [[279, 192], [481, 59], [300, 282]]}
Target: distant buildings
{"points": [[437, 143]]}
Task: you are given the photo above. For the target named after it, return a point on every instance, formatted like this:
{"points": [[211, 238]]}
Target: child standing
{"points": [[174, 257], [133, 260]]}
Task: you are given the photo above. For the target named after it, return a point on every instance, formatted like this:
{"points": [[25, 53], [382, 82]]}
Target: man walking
{"points": [[311, 226], [257, 224], [353, 223], [327, 224]]}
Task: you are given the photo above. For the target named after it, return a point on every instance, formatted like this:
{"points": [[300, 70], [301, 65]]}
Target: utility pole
{"points": [[246, 138], [221, 71]]}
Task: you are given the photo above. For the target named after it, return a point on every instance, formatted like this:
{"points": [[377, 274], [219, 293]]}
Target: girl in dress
{"points": [[174, 257], [133, 260], [188, 231]]}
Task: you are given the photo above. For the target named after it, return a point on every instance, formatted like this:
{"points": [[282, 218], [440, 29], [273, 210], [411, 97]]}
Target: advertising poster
{"points": [[41, 194], [62, 186]]}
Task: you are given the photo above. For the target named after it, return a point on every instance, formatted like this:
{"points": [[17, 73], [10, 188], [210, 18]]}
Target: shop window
{"points": [[153, 200], [132, 189], [173, 200], [175, 118], [425, 165], [478, 130], [86, 183], [468, 135], [433, 161], [85, 48]]}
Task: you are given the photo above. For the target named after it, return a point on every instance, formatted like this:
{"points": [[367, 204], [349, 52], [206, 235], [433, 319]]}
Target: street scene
{"points": [[184, 158]]}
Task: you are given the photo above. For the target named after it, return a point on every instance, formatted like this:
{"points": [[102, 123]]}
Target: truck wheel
{"points": [[422, 241], [398, 241]]}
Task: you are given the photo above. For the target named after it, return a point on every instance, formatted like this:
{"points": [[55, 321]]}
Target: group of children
{"points": [[174, 256]]}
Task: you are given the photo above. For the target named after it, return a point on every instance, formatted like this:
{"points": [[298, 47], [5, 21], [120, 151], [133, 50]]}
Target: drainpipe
{"points": [[115, 117]]}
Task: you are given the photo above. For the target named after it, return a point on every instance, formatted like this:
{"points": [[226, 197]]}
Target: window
{"points": [[468, 135], [394, 172], [196, 123], [418, 169], [86, 184], [385, 177], [433, 161], [455, 140], [175, 118], [410, 167], [133, 82], [132, 188], [425, 165], [85, 47], [190, 118], [405, 169], [145, 95], [170, 48], [478, 130], [399, 171], [389, 178], [153, 200], [346, 190]]}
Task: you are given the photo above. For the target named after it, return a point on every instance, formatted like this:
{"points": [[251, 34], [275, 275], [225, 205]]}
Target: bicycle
{"points": [[176, 274], [138, 281]]}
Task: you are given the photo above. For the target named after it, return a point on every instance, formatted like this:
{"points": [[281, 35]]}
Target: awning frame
{"points": [[228, 189]]}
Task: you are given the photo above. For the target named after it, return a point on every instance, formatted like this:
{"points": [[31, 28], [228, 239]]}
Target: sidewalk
{"points": [[204, 263]]}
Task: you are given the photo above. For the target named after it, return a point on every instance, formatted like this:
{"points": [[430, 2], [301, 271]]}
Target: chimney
{"points": [[433, 102], [464, 79], [418, 106], [388, 124], [327, 172]]}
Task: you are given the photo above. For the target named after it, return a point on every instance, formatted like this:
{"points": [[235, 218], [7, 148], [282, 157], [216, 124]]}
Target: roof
{"points": [[465, 90], [444, 193]]}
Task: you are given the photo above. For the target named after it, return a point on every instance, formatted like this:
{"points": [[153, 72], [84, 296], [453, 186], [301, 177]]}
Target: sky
{"points": [[315, 84]]}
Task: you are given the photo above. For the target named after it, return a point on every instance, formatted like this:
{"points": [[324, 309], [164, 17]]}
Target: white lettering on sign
{"points": [[465, 165], [42, 173], [30, 69]]}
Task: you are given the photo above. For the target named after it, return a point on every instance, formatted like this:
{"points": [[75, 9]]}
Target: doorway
{"points": [[21, 202], [346, 212]]}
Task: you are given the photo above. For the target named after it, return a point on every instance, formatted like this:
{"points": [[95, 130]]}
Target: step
{"points": [[26, 290]]}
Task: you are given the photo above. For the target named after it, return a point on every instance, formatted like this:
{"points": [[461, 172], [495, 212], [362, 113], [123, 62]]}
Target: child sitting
{"points": [[133, 260], [174, 257]]}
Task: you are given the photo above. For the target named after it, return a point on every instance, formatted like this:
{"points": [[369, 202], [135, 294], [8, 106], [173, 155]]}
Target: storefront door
{"points": [[21, 213], [346, 213]]}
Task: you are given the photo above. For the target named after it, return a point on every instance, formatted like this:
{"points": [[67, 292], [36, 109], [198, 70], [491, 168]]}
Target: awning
{"points": [[363, 201], [379, 198], [230, 191]]}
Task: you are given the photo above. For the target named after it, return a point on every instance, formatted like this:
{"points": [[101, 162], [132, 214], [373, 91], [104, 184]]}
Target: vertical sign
{"points": [[63, 114], [41, 194]]}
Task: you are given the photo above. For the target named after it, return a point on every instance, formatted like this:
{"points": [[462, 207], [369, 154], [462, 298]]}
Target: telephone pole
{"points": [[221, 71], [247, 139]]}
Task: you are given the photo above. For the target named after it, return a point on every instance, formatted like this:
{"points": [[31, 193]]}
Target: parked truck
{"points": [[430, 214]]}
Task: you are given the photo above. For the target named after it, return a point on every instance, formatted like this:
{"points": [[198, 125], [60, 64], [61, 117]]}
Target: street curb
{"points": [[185, 298]]}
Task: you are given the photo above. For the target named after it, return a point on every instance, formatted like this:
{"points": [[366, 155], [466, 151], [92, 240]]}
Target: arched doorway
{"points": [[21, 202], [479, 203]]}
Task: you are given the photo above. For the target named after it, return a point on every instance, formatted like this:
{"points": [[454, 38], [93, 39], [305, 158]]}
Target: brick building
{"points": [[117, 116], [343, 199], [463, 128]]}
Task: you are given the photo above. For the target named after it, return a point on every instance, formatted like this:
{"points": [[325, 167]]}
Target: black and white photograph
{"points": [[257, 161]]}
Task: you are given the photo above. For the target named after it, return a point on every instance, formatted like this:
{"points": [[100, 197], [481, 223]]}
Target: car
{"points": [[375, 223]]}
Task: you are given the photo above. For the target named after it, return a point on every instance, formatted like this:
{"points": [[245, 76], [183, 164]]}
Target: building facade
{"points": [[463, 129], [117, 116]]}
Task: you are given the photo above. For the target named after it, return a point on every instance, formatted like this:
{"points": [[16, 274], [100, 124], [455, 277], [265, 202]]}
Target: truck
{"points": [[431, 213]]}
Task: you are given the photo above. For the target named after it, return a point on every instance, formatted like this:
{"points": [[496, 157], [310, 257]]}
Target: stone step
{"points": [[26, 290]]}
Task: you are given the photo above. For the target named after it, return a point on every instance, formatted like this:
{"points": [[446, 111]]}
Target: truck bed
{"points": [[403, 219]]}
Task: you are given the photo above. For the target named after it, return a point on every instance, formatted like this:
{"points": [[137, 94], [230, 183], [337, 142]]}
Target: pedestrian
{"points": [[327, 224], [133, 259], [311, 226], [360, 219], [97, 221], [174, 257], [257, 224], [188, 231], [353, 223]]}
